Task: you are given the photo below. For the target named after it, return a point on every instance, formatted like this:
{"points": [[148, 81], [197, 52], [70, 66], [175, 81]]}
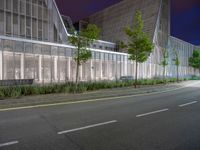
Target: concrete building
{"points": [[34, 43], [114, 19], [156, 16]]}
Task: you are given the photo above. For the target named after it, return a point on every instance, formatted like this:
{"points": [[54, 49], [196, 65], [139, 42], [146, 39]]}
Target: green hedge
{"points": [[194, 77], [18, 91]]}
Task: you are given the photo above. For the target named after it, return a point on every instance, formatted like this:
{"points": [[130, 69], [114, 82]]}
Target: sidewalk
{"points": [[58, 98]]}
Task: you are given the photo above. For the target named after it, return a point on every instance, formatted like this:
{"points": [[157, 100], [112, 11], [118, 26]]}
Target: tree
{"points": [[164, 62], [194, 61], [139, 46], [177, 63], [82, 41]]}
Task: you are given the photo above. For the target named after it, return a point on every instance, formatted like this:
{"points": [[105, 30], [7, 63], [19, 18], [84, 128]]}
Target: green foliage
{"points": [[194, 77], [92, 33], [176, 59], [122, 45], [82, 42], [164, 62], [18, 91], [139, 46], [194, 61], [177, 63]]}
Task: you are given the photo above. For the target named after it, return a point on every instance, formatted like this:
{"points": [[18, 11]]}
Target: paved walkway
{"points": [[57, 98]]}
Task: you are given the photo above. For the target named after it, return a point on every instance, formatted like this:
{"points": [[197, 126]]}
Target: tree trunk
{"points": [[164, 74], [77, 71], [177, 73], [77, 74], [136, 73]]}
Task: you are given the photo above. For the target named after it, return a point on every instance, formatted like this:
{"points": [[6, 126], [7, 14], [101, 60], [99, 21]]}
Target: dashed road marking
{"points": [[153, 112], [8, 143], [186, 104], [87, 127]]}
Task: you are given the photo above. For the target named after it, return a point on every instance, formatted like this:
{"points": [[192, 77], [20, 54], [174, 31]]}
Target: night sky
{"points": [[185, 15]]}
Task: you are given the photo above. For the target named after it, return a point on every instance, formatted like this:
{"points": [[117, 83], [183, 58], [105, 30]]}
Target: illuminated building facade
{"points": [[34, 42]]}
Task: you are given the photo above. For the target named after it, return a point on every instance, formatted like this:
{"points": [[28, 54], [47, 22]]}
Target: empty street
{"points": [[160, 121]]}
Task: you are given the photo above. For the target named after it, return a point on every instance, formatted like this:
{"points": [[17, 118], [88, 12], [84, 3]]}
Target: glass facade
{"points": [[31, 19]]}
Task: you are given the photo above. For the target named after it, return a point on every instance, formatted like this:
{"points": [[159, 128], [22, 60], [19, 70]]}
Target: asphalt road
{"points": [[166, 121]]}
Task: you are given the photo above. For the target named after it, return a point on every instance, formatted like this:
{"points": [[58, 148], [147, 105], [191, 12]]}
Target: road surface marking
{"points": [[87, 127], [153, 112], [92, 100], [9, 143], [186, 104]]}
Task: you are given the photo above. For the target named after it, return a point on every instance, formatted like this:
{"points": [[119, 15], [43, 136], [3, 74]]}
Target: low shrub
{"points": [[17, 91], [194, 77]]}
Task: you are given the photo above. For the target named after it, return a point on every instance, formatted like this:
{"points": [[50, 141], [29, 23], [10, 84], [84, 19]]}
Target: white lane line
{"points": [[153, 112], [86, 127], [186, 104], [9, 143]]}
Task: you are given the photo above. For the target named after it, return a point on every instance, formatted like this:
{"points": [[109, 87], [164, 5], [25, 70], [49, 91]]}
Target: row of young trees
{"points": [[139, 44], [139, 47], [194, 61], [82, 41], [165, 62]]}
